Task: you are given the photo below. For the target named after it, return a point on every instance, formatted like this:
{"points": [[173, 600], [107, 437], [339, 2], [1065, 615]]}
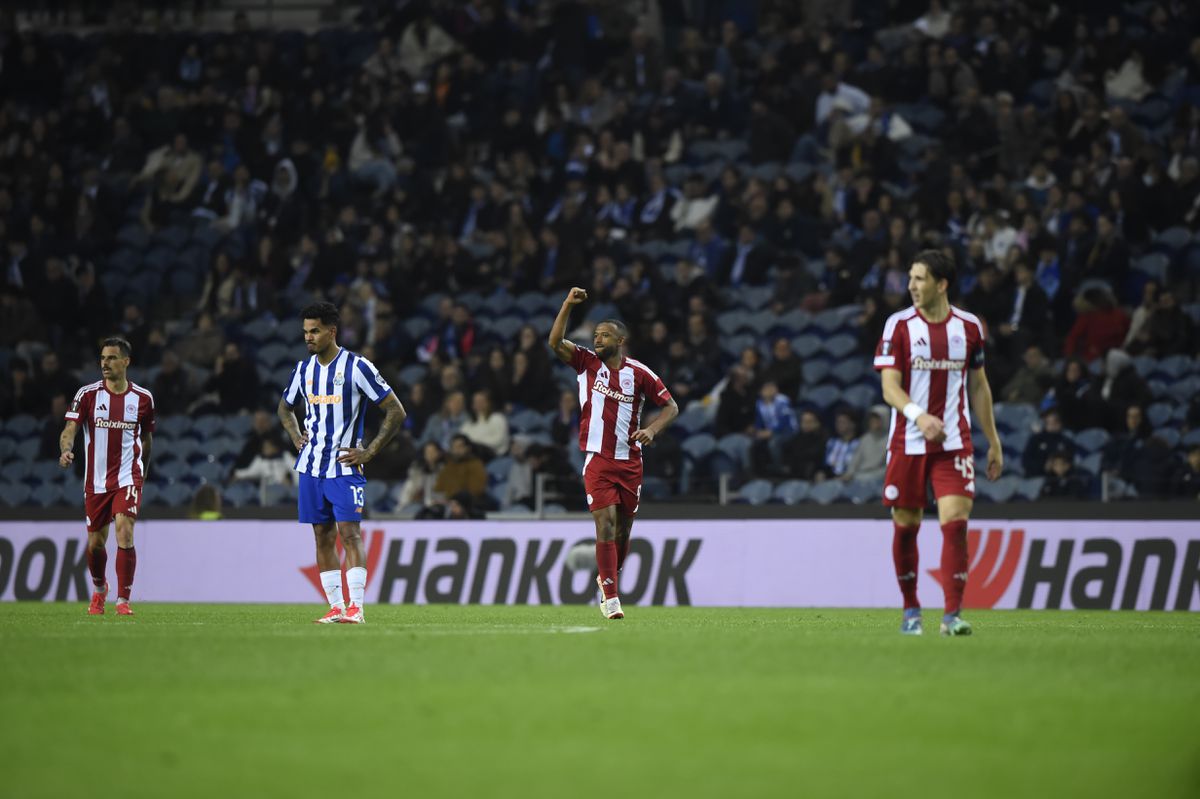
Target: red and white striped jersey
{"points": [[933, 359], [611, 402], [113, 425]]}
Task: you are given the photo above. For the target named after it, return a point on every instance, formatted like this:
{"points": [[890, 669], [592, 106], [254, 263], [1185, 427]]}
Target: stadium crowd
{"points": [[742, 183]]}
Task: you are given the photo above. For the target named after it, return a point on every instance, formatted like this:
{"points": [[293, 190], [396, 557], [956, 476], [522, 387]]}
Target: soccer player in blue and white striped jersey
{"points": [[333, 384]]}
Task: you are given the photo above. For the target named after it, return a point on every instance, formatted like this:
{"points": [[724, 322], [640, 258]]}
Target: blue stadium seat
{"points": [[1153, 265], [413, 373], [241, 493], [655, 488], [1030, 488], [841, 345], [172, 426], [1182, 391], [170, 469], [1092, 439], [698, 447], [1159, 414], [792, 492], [21, 425], [14, 495], [823, 396], [863, 492], [733, 345], [1169, 435], [1173, 239], [1091, 463], [507, 327], [1192, 439], [417, 327], [260, 330], [527, 421], [862, 396], [736, 446], [847, 373], [827, 492], [207, 425], [692, 420], [497, 491], [756, 492], [498, 469], [815, 371], [238, 426], [208, 471], [806, 346], [280, 494], [378, 496], [1016, 416]]}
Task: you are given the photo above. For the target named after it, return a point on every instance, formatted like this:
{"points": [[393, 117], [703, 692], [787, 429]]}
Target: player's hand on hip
{"points": [[645, 437], [353, 456], [66, 459], [300, 442], [995, 463], [576, 296], [932, 428]]}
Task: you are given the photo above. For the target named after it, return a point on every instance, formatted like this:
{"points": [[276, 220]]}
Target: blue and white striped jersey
{"points": [[333, 408]]}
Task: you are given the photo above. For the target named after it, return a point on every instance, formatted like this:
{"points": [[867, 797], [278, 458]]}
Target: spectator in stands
{"points": [[1031, 382], [422, 473], [1138, 336], [1119, 387], [1186, 482], [462, 476], [48, 447], [785, 369], [840, 447], [50, 382], [737, 410], [18, 394], [446, 423], [1041, 444], [271, 465], [206, 503], [869, 458], [1123, 453], [1072, 397], [1169, 331], [745, 264], [1062, 479], [564, 429], [173, 390], [1028, 319], [235, 381], [488, 427], [806, 451], [1099, 326], [264, 426], [774, 425]]}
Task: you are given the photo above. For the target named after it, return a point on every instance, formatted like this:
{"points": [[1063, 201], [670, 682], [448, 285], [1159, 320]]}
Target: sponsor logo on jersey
{"points": [[115, 425], [603, 388], [938, 364], [324, 399]]}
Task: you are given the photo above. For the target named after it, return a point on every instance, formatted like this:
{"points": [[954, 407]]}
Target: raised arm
{"points": [[66, 444], [894, 394], [287, 418], [981, 403], [565, 350]]}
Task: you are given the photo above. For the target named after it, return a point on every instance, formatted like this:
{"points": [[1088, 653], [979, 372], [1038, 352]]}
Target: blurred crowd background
{"points": [[743, 183]]}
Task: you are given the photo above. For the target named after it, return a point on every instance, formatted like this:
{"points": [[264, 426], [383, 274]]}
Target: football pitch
{"points": [[432, 701]]}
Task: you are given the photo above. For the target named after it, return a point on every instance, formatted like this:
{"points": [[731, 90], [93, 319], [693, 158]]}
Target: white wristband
{"points": [[913, 411]]}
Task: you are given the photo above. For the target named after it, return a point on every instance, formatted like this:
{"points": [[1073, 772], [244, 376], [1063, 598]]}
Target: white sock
{"points": [[331, 581], [356, 581]]}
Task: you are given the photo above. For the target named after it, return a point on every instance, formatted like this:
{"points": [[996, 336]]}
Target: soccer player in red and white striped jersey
{"points": [[117, 417], [931, 360], [613, 390]]}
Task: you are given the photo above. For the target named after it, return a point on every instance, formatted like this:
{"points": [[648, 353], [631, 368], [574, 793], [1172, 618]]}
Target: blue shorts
{"points": [[332, 499]]}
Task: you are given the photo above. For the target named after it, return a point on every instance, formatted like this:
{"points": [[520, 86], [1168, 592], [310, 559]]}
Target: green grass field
{"points": [[232, 701]]}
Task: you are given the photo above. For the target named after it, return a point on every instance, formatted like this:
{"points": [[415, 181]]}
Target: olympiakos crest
{"points": [[627, 384], [957, 341]]}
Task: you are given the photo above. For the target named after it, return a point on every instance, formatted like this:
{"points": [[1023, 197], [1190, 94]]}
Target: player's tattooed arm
{"points": [[288, 419], [393, 420], [147, 443], [565, 350], [66, 445]]}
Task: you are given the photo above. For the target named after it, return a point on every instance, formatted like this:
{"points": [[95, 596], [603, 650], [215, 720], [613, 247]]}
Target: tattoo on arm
{"points": [[66, 441], [393, 419], [288, 418]]}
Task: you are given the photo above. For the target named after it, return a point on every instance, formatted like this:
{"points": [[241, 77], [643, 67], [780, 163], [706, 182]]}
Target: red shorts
{"points": [[951, 473], [103, 508], [612, 482]]}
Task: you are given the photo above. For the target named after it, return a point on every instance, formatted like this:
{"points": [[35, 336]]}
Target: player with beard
{"points": [[613, 390]]}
